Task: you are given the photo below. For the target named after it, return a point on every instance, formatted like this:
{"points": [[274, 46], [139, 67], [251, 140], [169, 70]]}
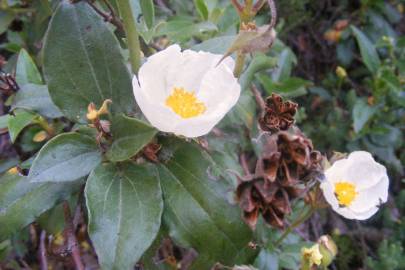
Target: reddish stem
{"points": [[237, 5], [73, 245], [42, 251]]}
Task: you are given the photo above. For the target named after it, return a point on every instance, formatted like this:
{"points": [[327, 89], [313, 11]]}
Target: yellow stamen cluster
{"points": [[345, 193], [185, 103]]}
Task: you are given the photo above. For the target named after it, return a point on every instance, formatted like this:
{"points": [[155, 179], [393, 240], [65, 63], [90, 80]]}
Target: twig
{"points": [[244, 164], [259, 4], [362, 240], [294, 225], [111, 18], [78, 210], [237, 5], [42, 251], [259, 99], [73, 246], [273, 11]]}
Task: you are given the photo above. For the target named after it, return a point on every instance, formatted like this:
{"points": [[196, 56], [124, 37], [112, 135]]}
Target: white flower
{"points": [[186, 93], [355, 187]]}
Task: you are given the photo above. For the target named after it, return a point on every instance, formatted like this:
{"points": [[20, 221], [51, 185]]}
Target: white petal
{"points": [[336, 172], [219, 91], [189, 69], [363, 170], [328, 190], [154, 73], [366, 214], [161, 117], [371, 197]]}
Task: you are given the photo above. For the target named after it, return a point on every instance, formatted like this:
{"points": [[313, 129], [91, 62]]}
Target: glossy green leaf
{"points": [[130, 135], [196, 211], [148, 11], [125, 204], [83, 63], [26, 70], [66, 157], [367, 50], [18, 122], [362, 112], [21, 202], [36, 98], [201, 8]]}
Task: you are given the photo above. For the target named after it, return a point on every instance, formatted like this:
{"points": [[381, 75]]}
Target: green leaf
{"points": [[18, 122], [218, 45], [125, 206], [83, 63], [66, 157], [26, 70], [21, 202], [291, 87], [4, 121], [285, 64], [196, 211], [148, 11], [36, 98], [201, 8], [267, 260], [6, 18], [130, 136], [362, 112], [181, 30], [367, 50]]}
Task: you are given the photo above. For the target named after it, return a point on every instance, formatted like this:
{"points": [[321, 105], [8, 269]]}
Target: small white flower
{"points": [[186, 93], [356, 186]]}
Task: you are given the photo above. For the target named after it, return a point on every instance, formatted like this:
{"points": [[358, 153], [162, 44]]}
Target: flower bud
{"points": [[93, 113], [328, 249], [341, 72], [310, 257], [13, 170], [40, 136]]}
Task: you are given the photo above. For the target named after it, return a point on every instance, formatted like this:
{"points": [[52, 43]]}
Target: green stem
{"points": [[134, 46], [239, 65], [307, 214]]}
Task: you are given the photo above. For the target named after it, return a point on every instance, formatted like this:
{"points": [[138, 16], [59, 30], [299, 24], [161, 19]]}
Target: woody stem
{"points": [[301, 219]]}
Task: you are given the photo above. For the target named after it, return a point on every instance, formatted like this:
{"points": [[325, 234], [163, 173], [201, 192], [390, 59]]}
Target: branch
{"points": [[42, 251], [111, 18], [73, 246], [258, 97], [259, 4], [237, 5], [273, 11]]}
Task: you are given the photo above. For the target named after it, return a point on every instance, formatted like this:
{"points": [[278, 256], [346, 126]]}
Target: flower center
{"points": [[185, 103], [345, 193]]}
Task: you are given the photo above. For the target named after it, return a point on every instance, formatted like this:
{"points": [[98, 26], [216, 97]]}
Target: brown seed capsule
{"points": [[287, 163], [278, 115]]}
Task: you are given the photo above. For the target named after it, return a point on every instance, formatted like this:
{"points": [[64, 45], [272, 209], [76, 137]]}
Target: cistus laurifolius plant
{"points": [[157, 135]]}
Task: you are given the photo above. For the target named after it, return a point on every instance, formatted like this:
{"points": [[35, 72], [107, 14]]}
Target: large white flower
{"points": [[356, 186], [186, 93]]}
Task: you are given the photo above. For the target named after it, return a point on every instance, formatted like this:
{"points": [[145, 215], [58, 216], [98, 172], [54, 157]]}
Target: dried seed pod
{"points": [[278, 114], [287, 163]]}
